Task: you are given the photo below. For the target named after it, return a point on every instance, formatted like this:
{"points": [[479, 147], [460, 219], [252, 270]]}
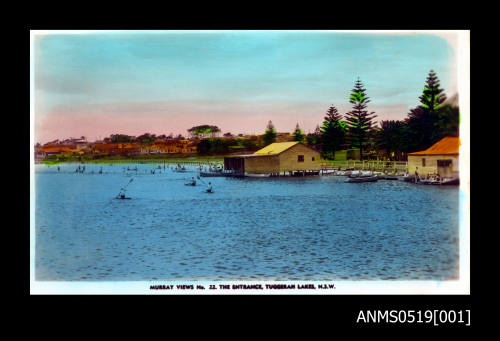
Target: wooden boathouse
{"points": [[441, 158], [277, 159]]}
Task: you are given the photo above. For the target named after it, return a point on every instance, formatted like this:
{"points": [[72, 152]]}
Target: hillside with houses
{"points": [[130, 146]]}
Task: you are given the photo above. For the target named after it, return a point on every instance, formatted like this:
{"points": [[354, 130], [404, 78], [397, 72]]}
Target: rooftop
{"points": [[447, 146], [275, 148]]}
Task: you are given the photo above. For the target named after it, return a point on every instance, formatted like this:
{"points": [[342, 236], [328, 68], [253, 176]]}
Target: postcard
{"points": [[250, 162]]}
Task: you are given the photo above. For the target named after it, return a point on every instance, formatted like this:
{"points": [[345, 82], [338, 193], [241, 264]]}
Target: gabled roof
{"points": [[275, 148], [447, 146]]}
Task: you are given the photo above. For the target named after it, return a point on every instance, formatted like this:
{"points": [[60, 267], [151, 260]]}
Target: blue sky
{"points": [[234, 70]]}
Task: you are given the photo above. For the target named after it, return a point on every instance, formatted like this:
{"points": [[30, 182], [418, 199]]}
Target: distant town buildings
{"points": [[80, 146]]}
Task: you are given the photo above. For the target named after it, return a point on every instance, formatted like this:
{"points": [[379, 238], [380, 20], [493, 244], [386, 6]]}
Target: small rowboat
{"points": [[429, 182], [362, 179], [453, 181]]}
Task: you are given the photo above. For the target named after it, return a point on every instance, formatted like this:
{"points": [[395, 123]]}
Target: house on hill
{"points": [[282, 158], [115, 148], [173, 147], [441, 158]]}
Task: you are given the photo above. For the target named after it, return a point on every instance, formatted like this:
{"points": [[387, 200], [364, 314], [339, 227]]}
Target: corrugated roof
{"points": [[275, 148], [448, 145]]}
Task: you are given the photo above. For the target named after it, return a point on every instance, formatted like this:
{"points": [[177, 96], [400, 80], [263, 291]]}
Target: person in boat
{"points": [[121, 194], [209, 189], [58, 169], [193, 181]]}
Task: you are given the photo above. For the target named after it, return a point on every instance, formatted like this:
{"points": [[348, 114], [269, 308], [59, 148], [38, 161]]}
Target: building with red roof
{"points": [[441, 158]]}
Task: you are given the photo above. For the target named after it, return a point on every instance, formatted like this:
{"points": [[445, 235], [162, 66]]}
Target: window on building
{"points": [[444, 163], [300, 158], [313, 158], [423, 162]]}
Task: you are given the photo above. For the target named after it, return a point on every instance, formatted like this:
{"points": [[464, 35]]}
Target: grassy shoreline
{"points": [[145, 158]]}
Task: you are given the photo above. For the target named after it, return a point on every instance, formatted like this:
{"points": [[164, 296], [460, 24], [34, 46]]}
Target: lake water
{"points": [[308, 228]]}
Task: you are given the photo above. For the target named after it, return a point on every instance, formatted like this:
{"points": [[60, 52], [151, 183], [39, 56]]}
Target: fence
{"points": [[376, 166]]}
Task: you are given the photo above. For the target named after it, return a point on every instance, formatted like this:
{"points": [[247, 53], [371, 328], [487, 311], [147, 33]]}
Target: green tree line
{"points": [[432, 120]]}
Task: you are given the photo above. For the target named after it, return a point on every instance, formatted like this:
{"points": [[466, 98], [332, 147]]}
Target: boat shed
{"points": [[284, 158], [441, 158]]}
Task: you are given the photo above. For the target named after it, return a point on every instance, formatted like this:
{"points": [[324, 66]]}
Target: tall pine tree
{"points": [[423, 121], [392, 138], [359, 121], [270, 134], [333, 133], [298, 134], [314, 139]]}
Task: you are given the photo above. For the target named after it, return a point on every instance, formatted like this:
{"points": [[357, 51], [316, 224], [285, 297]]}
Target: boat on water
{"points": [[451, 181], [221, 174], [429, 182], [357, 179], [432, 181], [441, 182], [121, 195], [212, 174]]}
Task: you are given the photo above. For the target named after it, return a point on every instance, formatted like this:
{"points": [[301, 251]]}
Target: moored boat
{"points": [[358, 179], [429, 182], [450, 181]]}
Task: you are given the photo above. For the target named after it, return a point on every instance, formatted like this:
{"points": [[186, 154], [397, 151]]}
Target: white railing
{"points": [[382, 166]]}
